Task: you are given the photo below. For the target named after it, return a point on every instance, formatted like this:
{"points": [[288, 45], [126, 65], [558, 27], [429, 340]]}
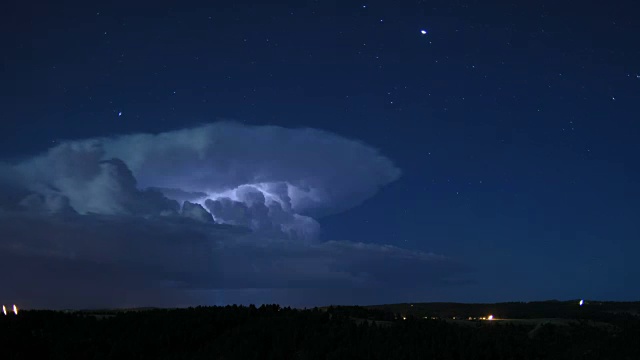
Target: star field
{"points": [[515, 125]]}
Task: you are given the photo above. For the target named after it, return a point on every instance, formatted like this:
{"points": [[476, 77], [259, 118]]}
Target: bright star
{"points": [[119, 113], [423, 32]]}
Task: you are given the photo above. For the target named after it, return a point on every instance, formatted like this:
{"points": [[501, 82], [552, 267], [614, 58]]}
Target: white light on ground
{"points": [[581, 302], [490, 317], [15, 309], [4, 310]]}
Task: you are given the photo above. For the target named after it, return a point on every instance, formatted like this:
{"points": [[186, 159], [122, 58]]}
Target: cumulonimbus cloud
{"points": [[222, 206], [267, 178]]}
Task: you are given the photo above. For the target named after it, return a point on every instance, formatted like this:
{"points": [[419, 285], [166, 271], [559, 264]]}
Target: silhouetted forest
{"points": [[272, 332]]}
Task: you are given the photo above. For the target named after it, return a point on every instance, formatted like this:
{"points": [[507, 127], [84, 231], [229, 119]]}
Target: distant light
{"points": [[581, 302], [490, 317], [4, 310], [404, 318], [423, 32], [15, 309], [119, 113]]}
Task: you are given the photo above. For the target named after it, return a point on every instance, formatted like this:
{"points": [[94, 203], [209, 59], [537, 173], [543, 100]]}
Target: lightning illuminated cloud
{"points": [[213, 208], [265, 178]]}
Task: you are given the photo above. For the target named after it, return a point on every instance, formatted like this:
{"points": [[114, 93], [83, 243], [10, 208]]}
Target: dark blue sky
{"points": [[515, 124]]}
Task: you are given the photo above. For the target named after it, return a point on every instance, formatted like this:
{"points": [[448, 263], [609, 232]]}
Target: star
{"points": [[423, 32], [119, 113]]}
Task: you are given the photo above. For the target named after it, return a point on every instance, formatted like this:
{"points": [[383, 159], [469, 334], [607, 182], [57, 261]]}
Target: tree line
{"points": [[274, 332]]}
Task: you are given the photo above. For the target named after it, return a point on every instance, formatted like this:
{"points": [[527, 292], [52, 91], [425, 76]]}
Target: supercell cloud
{"points": [[221, 206], [266, 178]]}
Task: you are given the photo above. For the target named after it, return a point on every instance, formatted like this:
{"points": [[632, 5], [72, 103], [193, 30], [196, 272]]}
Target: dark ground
{"points": [[541, 330]]}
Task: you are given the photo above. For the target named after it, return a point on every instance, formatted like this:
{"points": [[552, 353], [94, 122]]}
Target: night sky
{"points": [[352, 152]]}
